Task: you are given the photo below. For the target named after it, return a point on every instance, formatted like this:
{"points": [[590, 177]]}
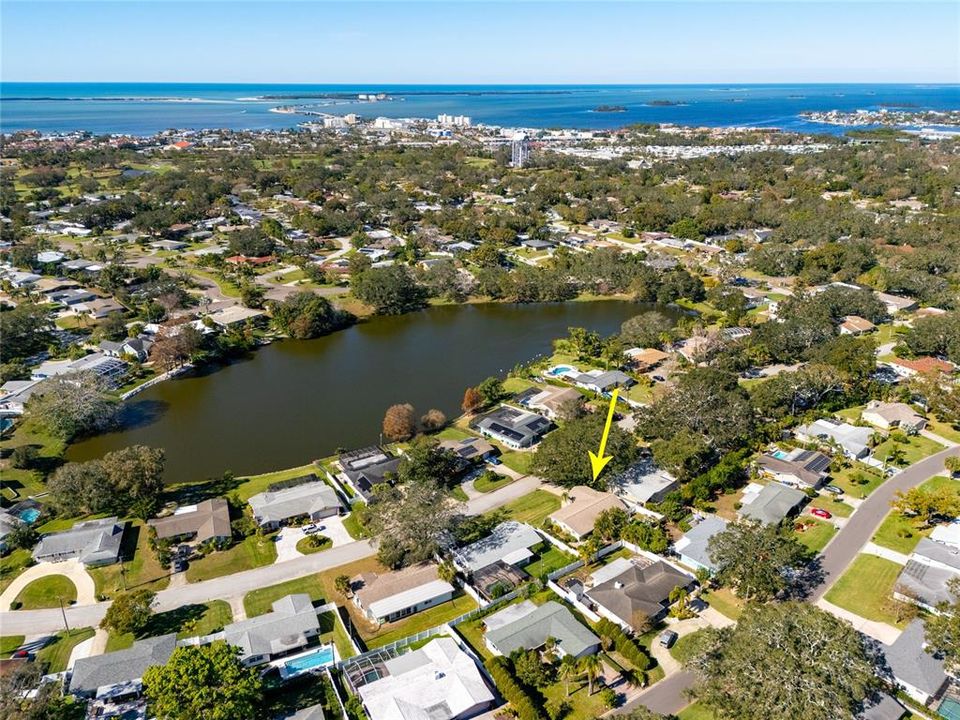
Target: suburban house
{"points": [[394, 595], [469, 450], [207, 520], [235, 315], [856, 325], [513, 427], [312, 499], [852, 440], [896, 303], [100, 308], [552, 401], [916, 671], [437, 682], [8, 523], [511, 542], [528, 627], [290, 626], [888, 416], [799, 468], [643, 482], [367, 467], [94, 542], [646, 359], [770, 504], [633, 591], [884, 707], [602, 380], [693, 547], [131, 347], [117, 674], [924, 578], [920, 366], [108, 369], [583, 506]]}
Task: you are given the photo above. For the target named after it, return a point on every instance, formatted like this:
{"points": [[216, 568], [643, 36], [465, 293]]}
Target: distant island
{"points": [[610, 108], [664, 103]]}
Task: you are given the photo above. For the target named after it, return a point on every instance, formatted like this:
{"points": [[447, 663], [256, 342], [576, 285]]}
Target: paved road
{"points": [[669, 695], [33, 622]]}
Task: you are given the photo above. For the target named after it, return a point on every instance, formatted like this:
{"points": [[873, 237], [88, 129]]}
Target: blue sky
{"points": [[479, 42]]}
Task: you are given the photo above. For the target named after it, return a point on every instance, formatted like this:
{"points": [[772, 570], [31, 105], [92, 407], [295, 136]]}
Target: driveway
{"points": [[287, 539], [72, 569]]}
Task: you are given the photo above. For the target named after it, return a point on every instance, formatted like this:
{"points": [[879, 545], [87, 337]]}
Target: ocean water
{"points": [[145, 108]]}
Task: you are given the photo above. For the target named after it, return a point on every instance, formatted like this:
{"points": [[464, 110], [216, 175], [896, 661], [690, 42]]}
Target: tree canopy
{"points": [[758, 561], [562, 456]]}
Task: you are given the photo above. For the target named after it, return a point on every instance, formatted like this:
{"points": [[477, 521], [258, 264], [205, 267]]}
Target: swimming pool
{"points": [[780, 455], [558, 370], [321, 657], [29, 515], [949, 709]]}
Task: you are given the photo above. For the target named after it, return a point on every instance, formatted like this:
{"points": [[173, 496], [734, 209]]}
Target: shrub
{"points": [[523, 704], [608, 696], [623, 643], [24, 456]]}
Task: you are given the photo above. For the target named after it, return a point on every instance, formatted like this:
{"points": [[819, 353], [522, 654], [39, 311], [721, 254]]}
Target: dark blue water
{"points": [[145, 108]]}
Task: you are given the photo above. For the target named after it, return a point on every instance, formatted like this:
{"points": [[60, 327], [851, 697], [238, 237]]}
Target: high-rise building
{"points": [[454, 120], [519, 151]]}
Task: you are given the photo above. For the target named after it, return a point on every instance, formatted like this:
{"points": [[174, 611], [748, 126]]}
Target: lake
{"points": [[298, 400]]}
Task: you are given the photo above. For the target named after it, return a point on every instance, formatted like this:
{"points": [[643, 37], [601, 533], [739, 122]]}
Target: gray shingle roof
{"points": [[695, 543], [290, 624], [122, 666], [773, 503], [639, 592], [507, 538], [93, 542], [532, 630], [306, 499], [911, 664]]}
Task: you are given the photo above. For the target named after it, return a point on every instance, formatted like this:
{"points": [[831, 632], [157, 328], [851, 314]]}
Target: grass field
{"points": [[847, 479], [696, 712], [532, 508], [47, 592], [259, 601], [901, 533], [686, 646], [21, 483], [12, 565], [816, 535], [548, 560], [352, 525], [9, 643], [485, 483], [140, 569], [916, 448], [518, 461], [56, 655], [944, 430], [185, 621], [830, 503], [866, 587], [314, 544], [251, 552], [424, 620], [724, 602]]}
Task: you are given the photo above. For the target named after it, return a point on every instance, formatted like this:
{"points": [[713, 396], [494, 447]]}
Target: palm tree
{"points": [[590, 668], [567, 671]]}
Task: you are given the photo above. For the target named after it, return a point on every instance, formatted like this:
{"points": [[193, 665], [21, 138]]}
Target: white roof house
{"points": [[389, 596], [853, 440], [510, 542], [437, 682], [644, 482], [316, 499]]}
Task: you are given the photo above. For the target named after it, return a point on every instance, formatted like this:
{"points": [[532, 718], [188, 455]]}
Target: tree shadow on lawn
{"points": [[174, 621]]}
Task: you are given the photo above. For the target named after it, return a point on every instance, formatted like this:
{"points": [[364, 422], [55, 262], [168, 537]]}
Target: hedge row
{"points": [[624, 644], [526, 707]]}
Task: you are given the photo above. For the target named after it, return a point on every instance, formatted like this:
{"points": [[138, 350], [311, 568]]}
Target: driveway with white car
{"points": [[287, 539]]}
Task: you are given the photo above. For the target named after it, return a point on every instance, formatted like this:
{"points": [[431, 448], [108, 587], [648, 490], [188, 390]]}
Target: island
{"points": [[609, 109]]}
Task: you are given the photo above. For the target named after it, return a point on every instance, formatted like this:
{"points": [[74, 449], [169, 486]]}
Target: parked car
{"points": [[494, 460], [659, 378], [311, 529], [833, 489], [667, 638], [179, 565], [821, 513]]}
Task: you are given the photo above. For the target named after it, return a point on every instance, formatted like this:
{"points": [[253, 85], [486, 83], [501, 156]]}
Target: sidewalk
{"points": [[887, 553], [886, 634]]}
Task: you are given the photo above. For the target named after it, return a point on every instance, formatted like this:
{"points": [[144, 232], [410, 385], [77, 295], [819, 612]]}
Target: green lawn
{"points": [[485, 483], [548, 560], [945, 430], [687, 646], [695, 712], [518, 461], [866, 588], [725, 602], [253, 484], [900, 533], [56, 655], [249, 553], [582, 703], [532, 508], [458, 494], [831, 504], [46, 592], [314, 544], [9, 643], [258, 602], [185, 621], [816, 535], [849, 479], [351, 523], [139, 569], [20, 483], [332, 630], [424, 620], [12, 565], [916, 448]]}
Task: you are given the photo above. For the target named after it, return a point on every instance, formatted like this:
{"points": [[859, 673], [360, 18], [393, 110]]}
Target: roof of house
{"points": [[554, 398], [883, 707], [643, 480], [234, 314], [122, 666], [808, 466], [285, 628], [639, 591], [911, 664], [530, 631], [208, 519], [855, 323], [513, 424], [895, 412], [603, 380], [93, 541], [585, 505], [927, 573], [386, 593], [305, 499], [852, 438], [506, 539], [470, 448], [695, 542], [437, 682], [646, 356], [367, 467], [772, 503], [315, 712], [925, 364]]}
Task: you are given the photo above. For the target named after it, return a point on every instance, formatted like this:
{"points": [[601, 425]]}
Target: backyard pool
{"points": [[29, 515], [560, 370], [780, 455], [321, 657], [949, 709]]}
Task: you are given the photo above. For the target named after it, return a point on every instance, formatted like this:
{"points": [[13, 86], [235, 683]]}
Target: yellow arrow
{"points": [[598, 462]]}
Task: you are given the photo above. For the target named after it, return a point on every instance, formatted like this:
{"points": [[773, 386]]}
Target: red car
{"points": [[820, 513]]}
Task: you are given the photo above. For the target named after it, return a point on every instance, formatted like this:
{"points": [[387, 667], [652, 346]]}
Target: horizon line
{"points": [[484, 83]]}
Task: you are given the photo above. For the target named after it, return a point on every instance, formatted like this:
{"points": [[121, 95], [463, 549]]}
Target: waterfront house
{"points": [[93, 543], [390, 596], [799, 468], [437, 682], [770, 504], [108, 369], [693, 548], [511, 542], [513, 427], [368, 467], [853, 441], [553, 402], [919, 673], [118, 674], [646, 359], [131, 347], [582, 508], [235, 316], [633, 592], [291, 625], [602, 381], [528, 627], [207, 520], [469, 450], [888, 416], [312, 499], [643, 482]]}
